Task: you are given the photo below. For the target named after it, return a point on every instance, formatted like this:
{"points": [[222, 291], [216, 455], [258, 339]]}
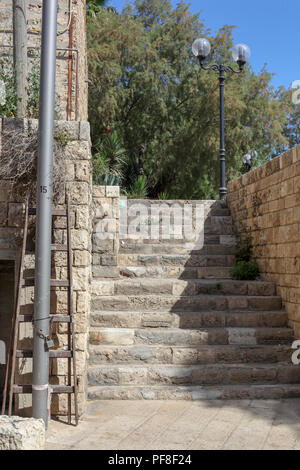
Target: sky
{"points": [[271, 28]]}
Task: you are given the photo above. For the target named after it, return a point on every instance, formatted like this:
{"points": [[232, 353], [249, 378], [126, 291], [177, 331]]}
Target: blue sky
{"points": [[270, 27]]}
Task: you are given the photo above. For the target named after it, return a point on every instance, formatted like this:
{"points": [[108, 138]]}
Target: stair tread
{"points": [[198, 281], [194, 392], [200, 346], [195, 387], [180, 296], [248, 365], [188, 312], [203, 328]]}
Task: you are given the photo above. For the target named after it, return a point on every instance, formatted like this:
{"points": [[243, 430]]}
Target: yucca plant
{"points": [[163, 196], [108, 161], [139, 189]]}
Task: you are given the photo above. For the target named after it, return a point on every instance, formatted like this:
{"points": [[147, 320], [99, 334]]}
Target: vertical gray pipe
{"points": [[44, 207], [20, 55]]}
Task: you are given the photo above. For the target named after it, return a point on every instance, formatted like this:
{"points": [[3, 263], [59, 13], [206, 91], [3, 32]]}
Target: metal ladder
{"points": [[10, 385]]}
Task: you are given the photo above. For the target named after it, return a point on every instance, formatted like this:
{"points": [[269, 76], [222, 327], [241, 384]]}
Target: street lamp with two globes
{"points": [[241, 53]]}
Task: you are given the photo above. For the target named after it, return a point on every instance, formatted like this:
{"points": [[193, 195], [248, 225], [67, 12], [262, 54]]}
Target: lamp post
{"points": [[241, 53], [249, 159]]}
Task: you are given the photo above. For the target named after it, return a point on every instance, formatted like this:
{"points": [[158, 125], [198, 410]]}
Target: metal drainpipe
{"points": [[40, 387], [70, 70], [20, 55]]}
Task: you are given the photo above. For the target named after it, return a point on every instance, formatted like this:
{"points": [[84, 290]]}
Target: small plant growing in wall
{"points": [[245, 268], [62, 139]]}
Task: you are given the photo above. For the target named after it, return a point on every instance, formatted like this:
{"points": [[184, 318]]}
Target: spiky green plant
{"points": [[139, 189], [163, 196], [109, 159]]}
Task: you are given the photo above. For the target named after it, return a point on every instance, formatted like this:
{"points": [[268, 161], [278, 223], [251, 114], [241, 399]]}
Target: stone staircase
{"points": [[175, 326]]}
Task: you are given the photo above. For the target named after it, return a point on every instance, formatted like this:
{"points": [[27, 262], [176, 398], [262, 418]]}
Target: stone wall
{"points": [[106, 201], [68, 11], [266, 200], [79, 186]]}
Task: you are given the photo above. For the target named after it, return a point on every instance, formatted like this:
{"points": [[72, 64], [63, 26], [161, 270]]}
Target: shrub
{"points": [[244, 271], [244, 248]]}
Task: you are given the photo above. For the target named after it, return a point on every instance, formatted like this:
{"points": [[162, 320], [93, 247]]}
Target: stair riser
{"points": [[271, 392], [189, 356], [171, 272], [208, 239], [188, 320], [193, 375], [168, 228], [154, 218], [170, 260], [173, 287], [185, 303], [183, 249], [180, 337]]}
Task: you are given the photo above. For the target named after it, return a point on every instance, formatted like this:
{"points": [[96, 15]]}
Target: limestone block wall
{"points": [[79, 186], [106, 213], [71, 34], [267, 200]]}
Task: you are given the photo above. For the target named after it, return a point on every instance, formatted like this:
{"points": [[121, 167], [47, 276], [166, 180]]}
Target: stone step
{"points": [[219, 212], [187, 220], [209, 374], [174, 272], [183, 248], [203, 238], [210, 354], [190, 303], [183, 287], [132, 239], [211, 206], [176, 260], [177, 392], [191, 336], [178, 230], [237, 319]]}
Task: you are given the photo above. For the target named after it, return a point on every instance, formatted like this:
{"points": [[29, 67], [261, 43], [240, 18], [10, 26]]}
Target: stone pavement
{"points": [[199, 425]]}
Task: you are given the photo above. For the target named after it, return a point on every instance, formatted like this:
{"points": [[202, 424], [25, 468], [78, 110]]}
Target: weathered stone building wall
{"points": [[71, 33], [267, 200], [79, 185]]}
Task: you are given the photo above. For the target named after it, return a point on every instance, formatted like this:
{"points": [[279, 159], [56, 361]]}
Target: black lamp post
{"points": [[241, 53]]}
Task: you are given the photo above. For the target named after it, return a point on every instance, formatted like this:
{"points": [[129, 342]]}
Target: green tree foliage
{"points": [[8, 107], [292, 126], [145, 84]]}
